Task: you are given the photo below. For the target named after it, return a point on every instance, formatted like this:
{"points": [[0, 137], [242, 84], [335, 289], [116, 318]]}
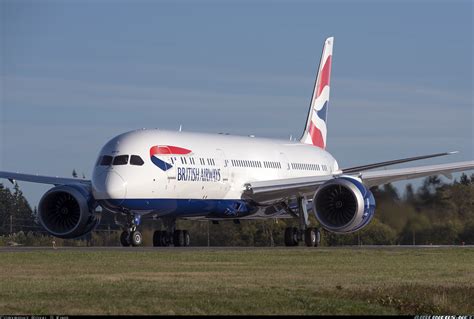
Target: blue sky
{"points": [[76, 73]]}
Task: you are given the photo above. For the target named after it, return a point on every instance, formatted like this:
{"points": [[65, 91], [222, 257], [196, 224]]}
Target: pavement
{"points": [[20, 248]]}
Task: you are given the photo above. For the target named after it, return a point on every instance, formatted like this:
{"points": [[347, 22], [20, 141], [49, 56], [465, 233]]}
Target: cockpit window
{"points": [[121, 160], [136, 160], [106, 160]]}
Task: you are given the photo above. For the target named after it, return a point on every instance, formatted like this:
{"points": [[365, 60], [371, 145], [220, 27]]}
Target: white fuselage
{"points": [[208, 177]]}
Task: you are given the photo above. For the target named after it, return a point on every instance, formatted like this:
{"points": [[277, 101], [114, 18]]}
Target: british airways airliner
{"points": [[171, 175]]}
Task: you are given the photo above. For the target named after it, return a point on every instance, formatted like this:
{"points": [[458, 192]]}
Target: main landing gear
{"points": [[130, 235], [310, 235], [171, 236]]}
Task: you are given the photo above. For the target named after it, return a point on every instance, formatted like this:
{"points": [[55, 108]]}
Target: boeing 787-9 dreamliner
{"points": [[171, 175]]}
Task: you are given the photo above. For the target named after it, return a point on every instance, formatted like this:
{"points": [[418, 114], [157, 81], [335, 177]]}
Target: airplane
{"points": [[171, 175]]}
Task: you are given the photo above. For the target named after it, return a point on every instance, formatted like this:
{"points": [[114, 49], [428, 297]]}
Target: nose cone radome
{"points": [[110, 185]]}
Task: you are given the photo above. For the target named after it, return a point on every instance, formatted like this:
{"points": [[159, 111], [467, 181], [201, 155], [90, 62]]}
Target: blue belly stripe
{"points": [[186, 207]]}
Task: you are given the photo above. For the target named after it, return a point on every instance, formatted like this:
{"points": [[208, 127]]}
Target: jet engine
{"points": [[343, 205], [67, 211]]}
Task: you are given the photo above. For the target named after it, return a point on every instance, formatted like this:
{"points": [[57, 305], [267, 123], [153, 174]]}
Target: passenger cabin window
{"points": [[106, 160], [121, 160], [136, 160]]}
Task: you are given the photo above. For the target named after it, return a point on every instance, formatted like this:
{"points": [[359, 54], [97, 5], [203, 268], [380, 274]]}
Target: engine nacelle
{"points": [[67, 211], [343, 205]]}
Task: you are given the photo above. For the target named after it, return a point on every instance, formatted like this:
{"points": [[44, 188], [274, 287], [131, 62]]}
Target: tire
{"points": [[318, 237], [125, 239], [178, 238], [310, 237], [157, 238], [136, 238], [291, 236], [295, 236], [187, 238], [165, 242]]}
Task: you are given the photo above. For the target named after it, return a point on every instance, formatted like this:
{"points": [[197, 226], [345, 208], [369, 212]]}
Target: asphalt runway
{"points": [[187, 249]]}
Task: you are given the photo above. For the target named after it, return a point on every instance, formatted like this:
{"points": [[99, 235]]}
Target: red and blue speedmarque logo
{"points": [[160, 150]]}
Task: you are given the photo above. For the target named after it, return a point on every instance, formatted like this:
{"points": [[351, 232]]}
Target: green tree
{"points": [[378, 233], [15, 212], [6, 207], [429, 192], [23, 217], [444, 233], [416, 230], [467, 234], [458, 198], [409, 196]]}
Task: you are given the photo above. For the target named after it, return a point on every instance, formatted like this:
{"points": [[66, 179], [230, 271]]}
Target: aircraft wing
{"points": [[374, 178], [12, 177], [357, 169], [270, 192], [274, 191]]}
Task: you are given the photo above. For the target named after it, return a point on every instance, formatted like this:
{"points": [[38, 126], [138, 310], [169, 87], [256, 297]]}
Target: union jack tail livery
{"points": [[316, 128]]}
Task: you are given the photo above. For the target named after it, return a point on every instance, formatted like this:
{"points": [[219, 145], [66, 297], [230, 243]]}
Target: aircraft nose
{"points": [[115, 186], [110, 185]]}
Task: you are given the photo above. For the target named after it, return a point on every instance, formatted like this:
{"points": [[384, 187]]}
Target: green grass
{"points": [[239, 281]]}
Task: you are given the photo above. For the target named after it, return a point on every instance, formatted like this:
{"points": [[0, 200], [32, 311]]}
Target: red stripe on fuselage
{"points": [[316, 135], [325, 76], [166, 149]]}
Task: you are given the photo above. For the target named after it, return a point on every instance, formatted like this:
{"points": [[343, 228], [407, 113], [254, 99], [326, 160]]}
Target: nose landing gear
{"points": [[130, 235]]}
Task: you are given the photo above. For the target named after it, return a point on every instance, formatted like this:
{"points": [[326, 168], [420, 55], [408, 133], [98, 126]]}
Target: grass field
{"points": [[239, 281]]}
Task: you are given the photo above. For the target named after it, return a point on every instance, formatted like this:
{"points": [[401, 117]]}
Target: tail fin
{"points": [[316, 129]]}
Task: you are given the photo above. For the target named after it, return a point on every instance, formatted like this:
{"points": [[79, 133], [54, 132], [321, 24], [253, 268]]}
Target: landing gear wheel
{"points": [[178, 238], [125, 239], [318, 237], [136, 238], [295, 236], [187, 238], [291, 236], [310, 237], [157, 238], [165, 239]]}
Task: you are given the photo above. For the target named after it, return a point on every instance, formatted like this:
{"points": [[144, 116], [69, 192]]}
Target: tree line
{"points": [[434, 213]]}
